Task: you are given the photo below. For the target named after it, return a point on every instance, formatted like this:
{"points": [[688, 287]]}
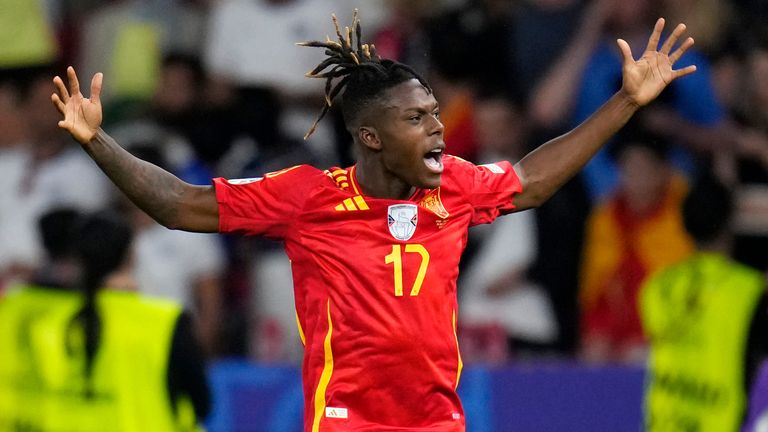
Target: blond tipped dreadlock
{"points": [[357, 68]]}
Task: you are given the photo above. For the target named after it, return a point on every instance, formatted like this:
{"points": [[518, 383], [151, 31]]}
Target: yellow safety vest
{"points": [[697, 316], [42, 381]]}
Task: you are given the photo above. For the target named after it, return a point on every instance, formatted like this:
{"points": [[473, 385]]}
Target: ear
{"points": [[369, 137]]}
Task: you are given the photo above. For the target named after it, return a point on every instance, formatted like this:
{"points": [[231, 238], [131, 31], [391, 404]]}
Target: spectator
{"points": [[130, 37], [751, 218], [236, 49], [59, 267], [43, 172], [737, 150], [532, 48], [707, 322], [579, 87], [635, 232], [495, 288], [97, 359], [27, 37], [186, 268]]}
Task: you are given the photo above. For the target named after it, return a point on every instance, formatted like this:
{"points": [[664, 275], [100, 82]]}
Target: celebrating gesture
{"points": [[82, 117], [645, 78], [375, 247]]}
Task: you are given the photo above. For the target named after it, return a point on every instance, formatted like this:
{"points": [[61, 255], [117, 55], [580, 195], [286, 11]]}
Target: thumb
{"points": [[626, 52], [96, 88]]}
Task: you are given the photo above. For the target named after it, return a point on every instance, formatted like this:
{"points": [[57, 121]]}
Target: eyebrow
{"points": [[419, 109]]}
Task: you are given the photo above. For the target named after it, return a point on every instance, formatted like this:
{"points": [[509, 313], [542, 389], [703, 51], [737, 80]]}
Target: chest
{"points": [[362, 241], [436, 219]]}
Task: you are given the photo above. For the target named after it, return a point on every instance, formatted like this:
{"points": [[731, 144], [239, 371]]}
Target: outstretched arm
{"points": [[170, 201], [544, 170]]}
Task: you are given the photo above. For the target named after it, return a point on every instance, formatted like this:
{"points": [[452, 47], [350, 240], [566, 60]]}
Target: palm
{"points": [[645, 78], [82, 116]]}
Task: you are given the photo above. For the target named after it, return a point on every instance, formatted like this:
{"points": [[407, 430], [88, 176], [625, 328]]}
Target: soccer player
{"points": [[375, 247]]}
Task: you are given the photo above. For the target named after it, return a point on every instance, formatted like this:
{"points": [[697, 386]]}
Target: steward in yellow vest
{"points": [[702, 317], [92, 361]]}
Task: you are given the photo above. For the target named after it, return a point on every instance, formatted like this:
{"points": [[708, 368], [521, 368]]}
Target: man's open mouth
{"points": [[434, 160]]}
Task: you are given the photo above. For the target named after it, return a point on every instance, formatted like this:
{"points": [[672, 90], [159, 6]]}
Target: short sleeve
{"points": [[266, 205], [489, 188]]}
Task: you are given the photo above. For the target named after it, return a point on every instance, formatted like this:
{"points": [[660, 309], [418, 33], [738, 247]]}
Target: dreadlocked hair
{"points": [[355, 67]]}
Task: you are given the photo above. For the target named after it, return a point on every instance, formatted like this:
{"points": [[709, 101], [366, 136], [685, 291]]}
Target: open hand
{"points": [[82, 117], [645, 78]]}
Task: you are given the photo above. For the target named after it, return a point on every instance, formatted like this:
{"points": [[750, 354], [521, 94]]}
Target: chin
{"points": [[431, 183]]}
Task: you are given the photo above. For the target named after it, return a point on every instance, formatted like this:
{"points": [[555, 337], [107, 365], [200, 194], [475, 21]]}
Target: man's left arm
{"points": [[543, 171]]}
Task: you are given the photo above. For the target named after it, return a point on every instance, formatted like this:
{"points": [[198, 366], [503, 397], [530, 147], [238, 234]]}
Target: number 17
{"points": [[396, 259]]}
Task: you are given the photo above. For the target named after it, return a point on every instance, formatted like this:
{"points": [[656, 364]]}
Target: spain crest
{"points": [[402, 220]]}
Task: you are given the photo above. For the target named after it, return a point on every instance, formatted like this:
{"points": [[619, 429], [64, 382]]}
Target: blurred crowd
{"points": [[209, 88]]}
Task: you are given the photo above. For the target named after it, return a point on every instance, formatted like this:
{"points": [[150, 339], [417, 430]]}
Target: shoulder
{"points": [[298, 178], [456, 167], [747, 273], [134, 304], [293, 173]]}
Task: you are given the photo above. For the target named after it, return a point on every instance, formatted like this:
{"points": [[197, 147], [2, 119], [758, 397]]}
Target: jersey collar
{"points": [[415, 196]]}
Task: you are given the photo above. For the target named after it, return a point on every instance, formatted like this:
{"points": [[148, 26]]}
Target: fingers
{"points": [[675, 56], [96, 87], [653, 41], [61, 88], [672, 39], [58, 103], [626, 52], [74, 84], [684, 71]]}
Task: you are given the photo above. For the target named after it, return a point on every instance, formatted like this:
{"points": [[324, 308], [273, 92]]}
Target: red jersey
{"points": [[375, 286]]}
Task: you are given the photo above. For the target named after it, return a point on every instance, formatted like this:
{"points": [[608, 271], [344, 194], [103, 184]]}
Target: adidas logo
{"points": [[352, 204], [331, 412]]}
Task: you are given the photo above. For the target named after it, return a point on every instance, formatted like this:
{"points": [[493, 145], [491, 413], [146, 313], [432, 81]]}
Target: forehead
{"points": [[409, 95]]}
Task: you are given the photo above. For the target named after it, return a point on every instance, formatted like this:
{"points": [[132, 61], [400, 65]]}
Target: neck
{"points": [[376, 181]]}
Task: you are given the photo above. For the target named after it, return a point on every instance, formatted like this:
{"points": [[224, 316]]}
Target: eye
{"points": [[415, 118], [436, 114]]}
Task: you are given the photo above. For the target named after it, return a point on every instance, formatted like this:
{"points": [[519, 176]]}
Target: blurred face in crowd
{"points": [[41, 120], [176, 90], [499, 128], [644, 177]]}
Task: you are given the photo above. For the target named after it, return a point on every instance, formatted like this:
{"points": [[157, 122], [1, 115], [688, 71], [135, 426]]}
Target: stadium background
{"points": [[216, 88]]}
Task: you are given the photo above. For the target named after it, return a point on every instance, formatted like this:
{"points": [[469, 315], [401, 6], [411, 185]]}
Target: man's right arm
{"points": [[163, 196]]}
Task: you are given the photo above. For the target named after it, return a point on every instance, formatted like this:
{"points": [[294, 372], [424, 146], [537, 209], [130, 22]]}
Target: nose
{"points": [[437, 127]]}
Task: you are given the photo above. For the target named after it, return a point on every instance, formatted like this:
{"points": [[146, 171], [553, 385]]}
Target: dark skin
{"points": [[393, 140], [399, 132]]}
